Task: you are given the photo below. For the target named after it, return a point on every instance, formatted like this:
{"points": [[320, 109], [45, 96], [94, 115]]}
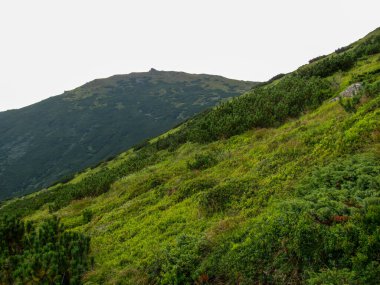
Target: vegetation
{"points": [[317, 58], [341, 61], [44, 254], [285, 189]]}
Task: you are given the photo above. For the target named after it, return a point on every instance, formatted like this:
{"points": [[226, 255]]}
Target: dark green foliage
{"points": [[269, 105], [343, 60], [343, 49], [276, 77], [370, 90], [46, 254], [140, 145], [328, 65], [367, 77], [87, 215], [369, 47], [350, 104], [317, 58], [171, 141], [202, 161], [264, 107], [178, 263], [194, 186], [219, 198], [51, 140]]}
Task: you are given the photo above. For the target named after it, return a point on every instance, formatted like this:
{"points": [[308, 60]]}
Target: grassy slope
{"points": [[165, 210]]}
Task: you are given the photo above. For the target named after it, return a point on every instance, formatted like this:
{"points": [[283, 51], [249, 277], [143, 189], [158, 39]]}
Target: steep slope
{"points": [[291, 196], [55, 138]]}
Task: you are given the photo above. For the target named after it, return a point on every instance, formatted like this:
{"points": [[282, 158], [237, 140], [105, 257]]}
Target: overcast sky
{"points": [[49, 46]]}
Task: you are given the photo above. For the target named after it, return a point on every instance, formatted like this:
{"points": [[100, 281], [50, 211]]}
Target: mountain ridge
{"points": [[58, 136]]}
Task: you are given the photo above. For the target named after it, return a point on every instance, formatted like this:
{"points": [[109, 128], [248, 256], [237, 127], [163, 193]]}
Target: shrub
{"points": [[343, 49], [46, 254], [194, 186], [177, 264], [202, 161], [350, 104], [219, 198], [317, 58], [87, 215], [276, 77]]}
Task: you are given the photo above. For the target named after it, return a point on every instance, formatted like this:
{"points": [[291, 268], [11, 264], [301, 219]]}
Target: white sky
{"points": [[48, 46]]}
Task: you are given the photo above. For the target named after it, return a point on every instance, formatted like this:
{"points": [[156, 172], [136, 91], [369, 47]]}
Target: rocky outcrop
{"points": [[349, 92]]}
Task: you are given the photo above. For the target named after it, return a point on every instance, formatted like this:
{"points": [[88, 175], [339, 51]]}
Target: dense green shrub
{"points": [[141, 145], [263, 107], [269, 105], [220, 197], [276, 77], [87, 215], [343, 60], [177, 264], [202, 161], [369, 47], [350, 104], [317, 58], [372, 90], [366, 77], [343, 49], [329, 65], [193, 186], [46, 254]]}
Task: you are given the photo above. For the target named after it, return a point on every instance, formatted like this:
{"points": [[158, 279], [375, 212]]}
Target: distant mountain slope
{"points": [[54, 138]]}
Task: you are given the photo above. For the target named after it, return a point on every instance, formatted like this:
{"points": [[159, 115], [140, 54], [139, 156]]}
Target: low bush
{"points": [[202, 161], [87, 215], [46, 254]]}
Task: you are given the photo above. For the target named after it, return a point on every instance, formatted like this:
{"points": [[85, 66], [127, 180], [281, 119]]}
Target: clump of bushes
{"points": [[343, 60], [343, 49], [46, 254], [264, 107], [194, 186], [220, 197], [317, 58], [202, 161], [276, 77], [87, 215], [178, 263]]}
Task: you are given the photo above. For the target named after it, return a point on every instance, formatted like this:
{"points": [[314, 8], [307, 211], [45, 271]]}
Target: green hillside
{"points": [[278, 186], [59, 136]]}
